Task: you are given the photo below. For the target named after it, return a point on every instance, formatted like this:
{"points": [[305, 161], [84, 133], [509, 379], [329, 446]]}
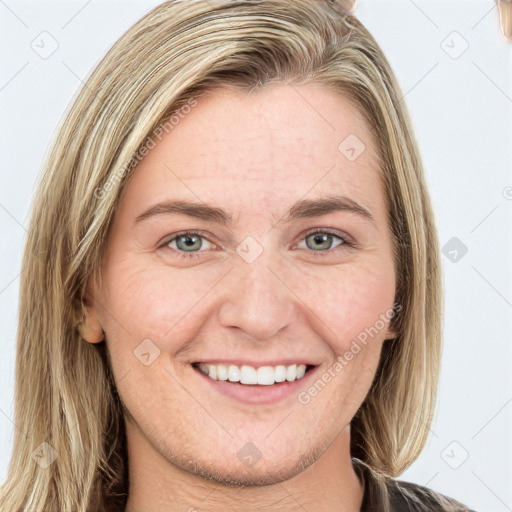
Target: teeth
{"points": [[212, 371], [264, 375], [291, 372], [222, 372], [233, 373], [248, 375], [280, 373]]}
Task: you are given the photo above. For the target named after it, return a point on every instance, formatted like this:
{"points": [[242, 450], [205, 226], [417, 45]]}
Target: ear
{"points": [[391, 333], [90, 326]]}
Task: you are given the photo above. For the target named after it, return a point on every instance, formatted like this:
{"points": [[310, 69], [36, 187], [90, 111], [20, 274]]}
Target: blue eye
{"points": [[188, 244], [321, 242]]}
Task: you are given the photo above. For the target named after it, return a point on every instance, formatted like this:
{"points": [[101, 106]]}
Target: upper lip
{"points": [[257, 364]]}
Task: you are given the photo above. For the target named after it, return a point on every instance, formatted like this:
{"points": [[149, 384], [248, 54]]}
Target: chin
{"points": [[263, 475], [264, 472]]}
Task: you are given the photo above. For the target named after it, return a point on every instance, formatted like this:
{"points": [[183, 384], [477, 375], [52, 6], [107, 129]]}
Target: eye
{"points": [[187, 243], [321, 242]]}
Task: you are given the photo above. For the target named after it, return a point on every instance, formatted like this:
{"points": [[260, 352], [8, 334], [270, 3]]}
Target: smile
{"points": [[263, 385], [249, 375]]}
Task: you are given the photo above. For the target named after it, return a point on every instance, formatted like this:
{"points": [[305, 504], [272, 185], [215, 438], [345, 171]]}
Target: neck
{"points": [[329, 484]]}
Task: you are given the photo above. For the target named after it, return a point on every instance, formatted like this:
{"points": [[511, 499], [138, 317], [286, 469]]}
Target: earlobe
{"points": [[90, 328], [391, 334]]}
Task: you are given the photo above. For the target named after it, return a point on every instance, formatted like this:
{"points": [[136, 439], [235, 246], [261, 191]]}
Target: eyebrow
{"points": [[302, 209]]}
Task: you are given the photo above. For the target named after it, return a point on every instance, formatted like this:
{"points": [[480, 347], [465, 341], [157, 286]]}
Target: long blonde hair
{"points": [[65, 394]]}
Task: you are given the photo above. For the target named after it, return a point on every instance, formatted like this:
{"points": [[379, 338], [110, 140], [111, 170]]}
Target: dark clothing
{"points": [[384, 494]]}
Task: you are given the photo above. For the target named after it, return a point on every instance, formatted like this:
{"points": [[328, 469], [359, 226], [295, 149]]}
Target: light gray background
{"points": [[461, 105]]}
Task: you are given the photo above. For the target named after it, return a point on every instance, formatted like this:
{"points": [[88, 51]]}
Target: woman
{"points": [[231, 295]]}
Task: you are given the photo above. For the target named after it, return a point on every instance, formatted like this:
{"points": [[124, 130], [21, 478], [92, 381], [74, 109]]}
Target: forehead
{"points": [[267, 148]]}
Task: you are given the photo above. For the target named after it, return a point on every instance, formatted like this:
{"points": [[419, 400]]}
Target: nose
{"points": [[258, 299]]}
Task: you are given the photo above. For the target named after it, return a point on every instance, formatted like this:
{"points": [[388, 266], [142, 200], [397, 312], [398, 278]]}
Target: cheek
{"points": [[354, 306], [152, 301], [349, 301]]}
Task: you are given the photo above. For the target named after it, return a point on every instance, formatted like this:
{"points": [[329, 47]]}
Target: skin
{"points": [[253, 155]]}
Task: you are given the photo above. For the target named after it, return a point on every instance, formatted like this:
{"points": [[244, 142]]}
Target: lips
{"points": [[258, 394]]}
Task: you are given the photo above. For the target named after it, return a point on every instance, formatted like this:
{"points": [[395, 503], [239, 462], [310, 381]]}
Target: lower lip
{"points": [[258, 394]]}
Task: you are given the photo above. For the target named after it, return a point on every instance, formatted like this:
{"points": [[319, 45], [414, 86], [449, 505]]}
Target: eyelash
{"points": [[346, 243]]}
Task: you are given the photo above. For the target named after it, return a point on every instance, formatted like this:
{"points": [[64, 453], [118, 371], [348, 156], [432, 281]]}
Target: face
{"points": [[286, 258]]}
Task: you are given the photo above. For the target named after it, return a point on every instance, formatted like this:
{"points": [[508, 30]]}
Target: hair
{"points": [[65, 393]]}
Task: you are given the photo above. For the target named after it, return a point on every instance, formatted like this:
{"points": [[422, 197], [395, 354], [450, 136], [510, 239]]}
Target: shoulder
{"points": [[410, 497], [384, 493]]}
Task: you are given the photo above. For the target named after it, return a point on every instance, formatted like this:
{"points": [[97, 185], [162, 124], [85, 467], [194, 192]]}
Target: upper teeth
{"points": [[264, 375]]}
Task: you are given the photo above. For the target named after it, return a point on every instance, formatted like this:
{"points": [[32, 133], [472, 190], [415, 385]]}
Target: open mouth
{"points": [[251, 376]]}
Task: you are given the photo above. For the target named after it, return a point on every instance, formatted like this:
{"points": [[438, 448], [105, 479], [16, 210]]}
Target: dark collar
{"points": [[383, 493]]}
